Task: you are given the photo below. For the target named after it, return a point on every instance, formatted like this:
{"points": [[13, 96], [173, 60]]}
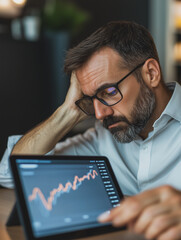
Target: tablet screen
{"points": [[66, 195]]}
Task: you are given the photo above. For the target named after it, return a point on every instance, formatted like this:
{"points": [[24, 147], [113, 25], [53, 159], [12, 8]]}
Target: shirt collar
{"points": [[172, 110]]}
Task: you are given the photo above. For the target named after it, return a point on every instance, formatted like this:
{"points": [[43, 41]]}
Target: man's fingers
{"points": [[104, 217], [161, 223], [128, 210], [73, 77], [152, 213], [172, 233], [149, 214]]}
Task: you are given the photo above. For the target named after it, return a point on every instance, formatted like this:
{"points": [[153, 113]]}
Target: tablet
{"points": [[60, 197]]}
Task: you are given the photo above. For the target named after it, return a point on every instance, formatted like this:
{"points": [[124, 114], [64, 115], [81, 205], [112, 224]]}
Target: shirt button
{"points": [[145, 147]]}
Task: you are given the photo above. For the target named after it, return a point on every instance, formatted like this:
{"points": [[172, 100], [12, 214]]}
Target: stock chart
{"points": [[67, 194]]}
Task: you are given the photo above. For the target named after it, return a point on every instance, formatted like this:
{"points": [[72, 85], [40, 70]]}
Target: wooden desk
{"points": [[7, 200]]}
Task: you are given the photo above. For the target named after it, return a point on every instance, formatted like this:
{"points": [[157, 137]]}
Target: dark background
{"points": [[27, 89]]}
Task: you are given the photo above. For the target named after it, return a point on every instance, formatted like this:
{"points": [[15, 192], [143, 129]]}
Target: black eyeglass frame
{"points": [[111, 85]]}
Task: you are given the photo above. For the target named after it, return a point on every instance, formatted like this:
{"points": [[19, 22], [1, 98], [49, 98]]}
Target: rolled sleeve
{"points": [[5, 173]]}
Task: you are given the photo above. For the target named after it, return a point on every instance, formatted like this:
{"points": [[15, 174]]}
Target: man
{"points": [[116, 76]]}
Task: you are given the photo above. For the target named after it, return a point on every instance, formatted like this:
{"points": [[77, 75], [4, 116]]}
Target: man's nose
{"points": [[101, 111]]}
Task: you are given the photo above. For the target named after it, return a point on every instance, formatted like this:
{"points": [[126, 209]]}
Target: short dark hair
{"points": [[131, 41]]}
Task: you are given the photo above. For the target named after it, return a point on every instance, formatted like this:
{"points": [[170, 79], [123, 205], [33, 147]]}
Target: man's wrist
{"points": [[70, 113]]}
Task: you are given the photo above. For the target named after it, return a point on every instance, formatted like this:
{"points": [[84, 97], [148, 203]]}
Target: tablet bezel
{"points": [[22, 208]]}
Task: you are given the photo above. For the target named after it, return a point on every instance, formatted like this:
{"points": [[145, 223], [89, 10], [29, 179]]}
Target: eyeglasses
{"points": [[108, 95]]}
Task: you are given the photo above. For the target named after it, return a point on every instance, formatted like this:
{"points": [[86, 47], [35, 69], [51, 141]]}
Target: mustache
{"points": [[111, 120]]}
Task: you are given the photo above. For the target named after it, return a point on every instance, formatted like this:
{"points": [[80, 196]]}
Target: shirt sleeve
{"points": [[5, 173], [81, 144]]}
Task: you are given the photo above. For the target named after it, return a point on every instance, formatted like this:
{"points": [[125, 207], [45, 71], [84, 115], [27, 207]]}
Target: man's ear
{"points": [[151, 73]]}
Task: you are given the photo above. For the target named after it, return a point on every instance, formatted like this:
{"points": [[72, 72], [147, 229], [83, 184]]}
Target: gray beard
{"points": [[141, 113]]}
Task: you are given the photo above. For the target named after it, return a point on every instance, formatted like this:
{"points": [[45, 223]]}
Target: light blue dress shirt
{"points": [[139, 165]]}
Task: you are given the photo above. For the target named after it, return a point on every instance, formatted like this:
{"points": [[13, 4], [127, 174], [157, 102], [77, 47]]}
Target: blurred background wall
{"points": [[35, 35]]}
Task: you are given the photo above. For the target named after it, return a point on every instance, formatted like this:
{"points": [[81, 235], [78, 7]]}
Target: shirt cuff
{"points": [[6, 179]]}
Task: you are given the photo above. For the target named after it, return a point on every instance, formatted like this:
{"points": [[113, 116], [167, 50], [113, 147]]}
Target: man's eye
{"points": [[107, 93], [110, 91]]}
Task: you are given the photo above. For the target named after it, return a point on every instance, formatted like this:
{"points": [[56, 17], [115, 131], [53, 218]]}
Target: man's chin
{"points": [[115, 130], [123, 134]]}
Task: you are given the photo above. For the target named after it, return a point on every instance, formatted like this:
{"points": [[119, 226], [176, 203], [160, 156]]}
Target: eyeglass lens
{"points": [[86, 105], [108, 96]]}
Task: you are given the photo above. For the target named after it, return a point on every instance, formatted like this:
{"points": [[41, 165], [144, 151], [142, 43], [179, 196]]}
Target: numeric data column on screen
{"points": [[108, 183]]}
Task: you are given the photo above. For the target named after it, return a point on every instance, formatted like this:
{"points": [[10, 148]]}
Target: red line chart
{"points": [[48, 203]]}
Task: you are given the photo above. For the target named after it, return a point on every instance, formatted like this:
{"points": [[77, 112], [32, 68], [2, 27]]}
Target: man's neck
{"points": [[162, 98]]}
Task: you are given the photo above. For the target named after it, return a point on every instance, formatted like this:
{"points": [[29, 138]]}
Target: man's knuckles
{"points": [[166, 192]]}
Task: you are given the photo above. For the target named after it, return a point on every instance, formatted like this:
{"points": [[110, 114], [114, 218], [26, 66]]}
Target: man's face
{"points": [[126, 119]]}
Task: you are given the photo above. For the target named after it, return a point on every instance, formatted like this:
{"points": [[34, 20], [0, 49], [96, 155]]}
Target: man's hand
{"points": [[44, 136], [74, 93], [155, 213]]}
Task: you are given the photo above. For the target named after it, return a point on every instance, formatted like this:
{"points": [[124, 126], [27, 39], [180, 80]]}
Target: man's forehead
{"points": [[104, 61], [103, 67]]}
